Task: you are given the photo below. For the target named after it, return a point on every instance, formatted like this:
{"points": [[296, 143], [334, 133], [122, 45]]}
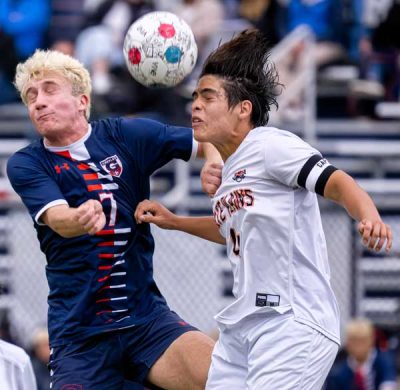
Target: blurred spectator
{"points": [[266, 15], [204, 18], [231, 8], [16, 371], [23, 24], [26, 22], [366, 367], [380, 52], [99, 45], [5, 327], [40, 359], [323, 18], [65, 24]]}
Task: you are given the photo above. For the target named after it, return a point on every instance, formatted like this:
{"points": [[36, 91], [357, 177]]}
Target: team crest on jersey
{"points": [[112, 165], [239, 175]]}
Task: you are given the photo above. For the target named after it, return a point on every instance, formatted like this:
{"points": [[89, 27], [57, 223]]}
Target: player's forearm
{"points": [[345, 191], [63, 221], [203, 227]]}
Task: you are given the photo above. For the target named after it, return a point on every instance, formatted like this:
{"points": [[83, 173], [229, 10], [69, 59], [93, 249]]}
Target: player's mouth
{"points": [[44, 117], [196, 121]]}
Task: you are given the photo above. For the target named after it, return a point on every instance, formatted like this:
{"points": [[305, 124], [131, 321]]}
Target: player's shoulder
{"points": [[116, 125], [32, 151], [104, 126], [13, 354], [273, 136]]}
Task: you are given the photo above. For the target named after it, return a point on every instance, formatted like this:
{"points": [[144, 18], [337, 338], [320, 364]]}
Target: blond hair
{"points": [[43, 61], [360, 327]]}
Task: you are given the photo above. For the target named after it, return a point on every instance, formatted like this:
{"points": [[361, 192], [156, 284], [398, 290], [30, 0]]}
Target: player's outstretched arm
{"points": [[203, 227], [342, 189], [69, 222]]}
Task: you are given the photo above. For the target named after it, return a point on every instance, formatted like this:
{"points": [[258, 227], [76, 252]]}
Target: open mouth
{"points": [[196, 121]]}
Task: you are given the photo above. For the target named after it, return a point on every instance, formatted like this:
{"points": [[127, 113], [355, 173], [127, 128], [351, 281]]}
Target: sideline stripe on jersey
{"points": [[315, 173]]}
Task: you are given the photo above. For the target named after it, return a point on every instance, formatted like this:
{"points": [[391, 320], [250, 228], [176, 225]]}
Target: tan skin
{"points": [[59, 117], [213, 121]]}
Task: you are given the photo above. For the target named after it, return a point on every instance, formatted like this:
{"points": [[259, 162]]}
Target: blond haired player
{"points": [[282, 330], [81, 183]]}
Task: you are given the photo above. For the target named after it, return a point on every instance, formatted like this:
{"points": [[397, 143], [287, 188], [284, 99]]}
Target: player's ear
{"points": [[83, 102], [246, 107]]}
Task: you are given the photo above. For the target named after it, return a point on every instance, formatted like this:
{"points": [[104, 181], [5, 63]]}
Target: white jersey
{"points": [[16, 372], [267, 209]]}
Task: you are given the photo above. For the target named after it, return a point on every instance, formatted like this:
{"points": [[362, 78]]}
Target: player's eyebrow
{"points": [[204, 91], [46, 83], [50, 82]]}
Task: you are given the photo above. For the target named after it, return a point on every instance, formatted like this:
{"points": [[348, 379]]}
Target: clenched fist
{"points": [[90, 216]]}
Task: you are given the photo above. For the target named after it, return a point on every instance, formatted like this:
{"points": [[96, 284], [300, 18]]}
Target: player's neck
{"points": [[66, 137], [228, 147]]}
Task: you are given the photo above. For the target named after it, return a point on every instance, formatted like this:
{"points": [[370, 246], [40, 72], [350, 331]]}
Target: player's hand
{"points": [[90, 216], [375, 234], [153, 212], [211, 175]]}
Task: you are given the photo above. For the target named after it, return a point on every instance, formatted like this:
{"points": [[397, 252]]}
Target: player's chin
{"points": [[199, 134]]}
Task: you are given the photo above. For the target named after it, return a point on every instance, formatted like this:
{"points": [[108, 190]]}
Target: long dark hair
{"points": [[247, 74]]}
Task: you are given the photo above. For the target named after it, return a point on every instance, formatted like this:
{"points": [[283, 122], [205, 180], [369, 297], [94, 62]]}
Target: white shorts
{"points": [[270, 353]]}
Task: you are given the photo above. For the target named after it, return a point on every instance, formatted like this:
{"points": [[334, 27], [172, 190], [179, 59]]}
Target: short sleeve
{"points": [[153, 144], [295, 163], [36, 188]]}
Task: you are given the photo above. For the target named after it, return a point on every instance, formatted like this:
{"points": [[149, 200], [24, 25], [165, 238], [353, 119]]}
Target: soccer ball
{"points": [[160, 50]]}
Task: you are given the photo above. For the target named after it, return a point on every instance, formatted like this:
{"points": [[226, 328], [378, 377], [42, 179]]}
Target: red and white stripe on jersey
{"points": [[106, 232], [315, 174], [102, 187], [112, 299], [110, 255], [96, 176], [78, 153], [112, 243], [108, 267], [104, 278], [111, 311]]}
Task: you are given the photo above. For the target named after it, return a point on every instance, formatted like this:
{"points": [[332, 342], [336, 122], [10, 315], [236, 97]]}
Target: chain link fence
{"points": [[193, 274]]}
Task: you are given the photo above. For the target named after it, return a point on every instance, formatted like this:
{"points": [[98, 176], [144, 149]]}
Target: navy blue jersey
{"points": [[102, 282]]}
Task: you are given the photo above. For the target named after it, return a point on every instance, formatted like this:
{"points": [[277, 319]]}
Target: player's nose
{"points": [[195, 106], [41, 101]]}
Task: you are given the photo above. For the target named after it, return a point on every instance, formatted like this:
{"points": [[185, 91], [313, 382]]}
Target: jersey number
{"points": [[113, 211], [236, 242]]}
